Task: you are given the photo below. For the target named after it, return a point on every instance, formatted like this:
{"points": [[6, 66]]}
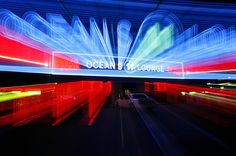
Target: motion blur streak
{"points": [[55, 102], [97, 98], [6, 96], [53, 46], [19, 54], [215, 104]]}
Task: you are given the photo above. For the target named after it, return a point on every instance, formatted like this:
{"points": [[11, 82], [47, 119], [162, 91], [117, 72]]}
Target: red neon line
{"points": [[23, 60]]}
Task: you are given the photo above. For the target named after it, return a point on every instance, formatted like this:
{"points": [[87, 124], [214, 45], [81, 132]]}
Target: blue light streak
{"points": [[160, 41]]}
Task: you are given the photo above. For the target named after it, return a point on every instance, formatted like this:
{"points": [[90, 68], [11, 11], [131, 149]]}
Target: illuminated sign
{"points": [[160, 49], [102, 67]]}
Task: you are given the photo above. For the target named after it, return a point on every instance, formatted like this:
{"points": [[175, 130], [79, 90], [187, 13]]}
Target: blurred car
{"points": [[142, 99]]}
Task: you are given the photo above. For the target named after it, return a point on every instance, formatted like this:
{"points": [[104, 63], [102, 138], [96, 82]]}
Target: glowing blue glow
{"points": [[161, 48], [124, 41]]}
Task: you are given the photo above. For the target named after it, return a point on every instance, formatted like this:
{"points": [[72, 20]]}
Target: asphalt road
{"points": [[179, 133], [116, 131], [121, 130]]}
